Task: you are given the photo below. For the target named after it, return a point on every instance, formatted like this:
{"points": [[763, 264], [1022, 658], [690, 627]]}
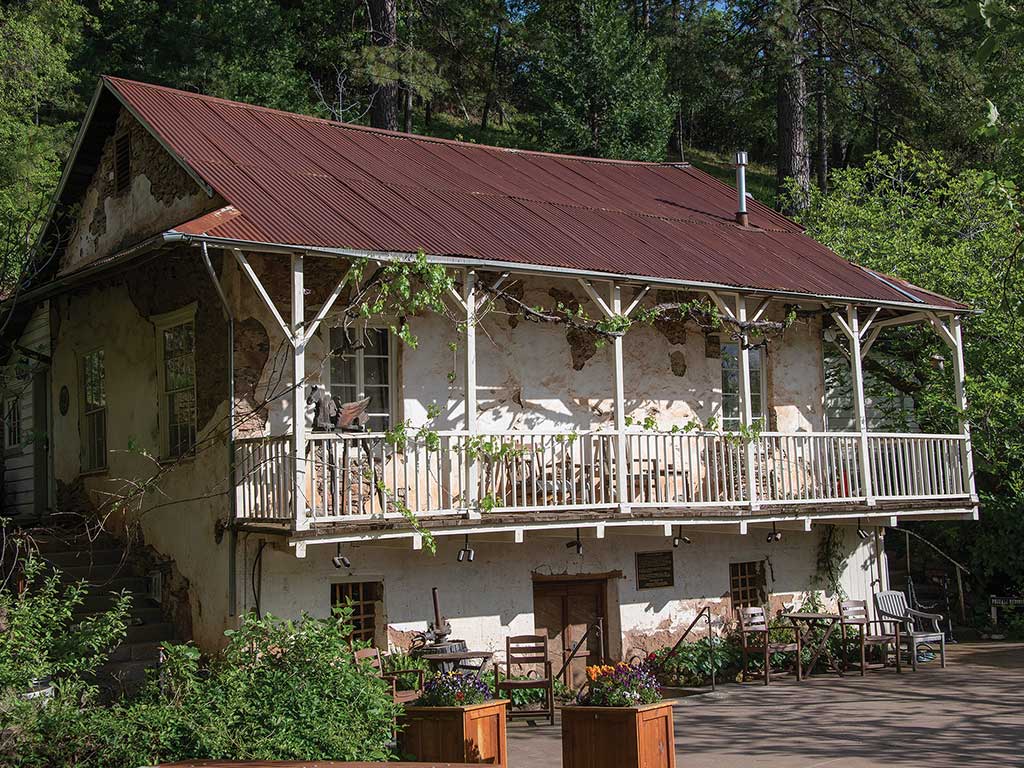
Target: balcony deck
{"points": [[363, 481]]}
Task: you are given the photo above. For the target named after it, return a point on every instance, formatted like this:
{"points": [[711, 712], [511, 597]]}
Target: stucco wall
{"points": [[492, 597], [161, 195]]}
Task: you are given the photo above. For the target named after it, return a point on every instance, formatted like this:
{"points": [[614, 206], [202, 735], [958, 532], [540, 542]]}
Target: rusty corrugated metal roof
{"points": [[301, 181]]}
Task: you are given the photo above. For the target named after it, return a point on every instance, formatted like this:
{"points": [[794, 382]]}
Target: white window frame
{"points": [[88, 439], [163, 323], [393, 414], [730, 424], [12, 423]]}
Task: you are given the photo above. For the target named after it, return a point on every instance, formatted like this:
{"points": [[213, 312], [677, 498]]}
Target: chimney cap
{"points": [[741, 157]]}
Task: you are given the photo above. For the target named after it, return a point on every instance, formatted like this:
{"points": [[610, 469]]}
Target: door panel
{"points": [[567, 609]]}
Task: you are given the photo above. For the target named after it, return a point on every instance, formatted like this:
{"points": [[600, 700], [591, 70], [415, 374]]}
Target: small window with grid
{"points": [[94, 411], [747, 584], [178, 378], [12, 424], [363, 597]]}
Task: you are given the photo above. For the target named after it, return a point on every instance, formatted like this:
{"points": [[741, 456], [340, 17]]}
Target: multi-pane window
{"points": [[361, 368], [363, 597], [747, 584], [730, 353], [12, 423], [179, 388], [94, 411]]}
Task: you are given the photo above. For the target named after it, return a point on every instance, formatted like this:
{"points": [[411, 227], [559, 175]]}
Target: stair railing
{"points": [[703, 613], [598, 628]]}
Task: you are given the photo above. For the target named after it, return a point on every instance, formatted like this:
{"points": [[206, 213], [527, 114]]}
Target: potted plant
{"points": [[454, 720], [619, 720]]}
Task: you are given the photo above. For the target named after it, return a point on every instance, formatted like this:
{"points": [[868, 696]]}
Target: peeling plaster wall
{"points": [[493, 597], [162, 195], [115, 317]]}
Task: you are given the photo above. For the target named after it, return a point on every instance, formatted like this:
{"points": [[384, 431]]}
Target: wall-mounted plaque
{"points": [[654, 570]]}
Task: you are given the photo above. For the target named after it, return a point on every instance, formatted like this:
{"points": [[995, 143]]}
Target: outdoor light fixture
{"points": [[864, 535], [340, 560], [775, 535], [679, 538], [576, 543], [466, 553]]}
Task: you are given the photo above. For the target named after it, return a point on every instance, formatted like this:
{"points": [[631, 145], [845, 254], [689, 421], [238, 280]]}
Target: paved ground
{"points": [[969, 714]]}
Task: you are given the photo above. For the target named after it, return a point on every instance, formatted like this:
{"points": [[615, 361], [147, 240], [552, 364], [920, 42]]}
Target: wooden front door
{"points": [[566, 609]]}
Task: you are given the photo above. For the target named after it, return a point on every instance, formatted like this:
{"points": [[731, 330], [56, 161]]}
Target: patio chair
{"points": [[527, 650], [372, 657], [754, 624], [891, 607], [854, 613]]}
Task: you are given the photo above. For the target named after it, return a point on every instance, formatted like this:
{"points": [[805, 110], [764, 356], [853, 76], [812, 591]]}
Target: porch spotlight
{"points": [[340, 560], [679, 538], [576, 543], [775, 535], [466, 553], [864, 535]]}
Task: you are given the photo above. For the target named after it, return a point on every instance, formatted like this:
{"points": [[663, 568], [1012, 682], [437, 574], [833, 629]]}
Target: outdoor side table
{"points": [[804, 623], [445, 662]]}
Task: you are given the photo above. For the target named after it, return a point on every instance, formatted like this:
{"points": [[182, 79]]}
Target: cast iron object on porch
{"points": [[471, 734], [618, 737]]}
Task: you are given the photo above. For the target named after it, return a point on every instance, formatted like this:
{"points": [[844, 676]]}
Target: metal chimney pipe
{"points": [[741, 188]]}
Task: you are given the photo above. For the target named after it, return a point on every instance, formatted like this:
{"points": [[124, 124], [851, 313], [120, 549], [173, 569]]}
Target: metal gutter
{"points": [[504, 266]]}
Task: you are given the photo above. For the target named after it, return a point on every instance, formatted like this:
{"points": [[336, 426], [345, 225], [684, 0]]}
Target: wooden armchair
{"points": [[754, 625], [371, 657], [525, 650], [854, 613], [891, 607]]}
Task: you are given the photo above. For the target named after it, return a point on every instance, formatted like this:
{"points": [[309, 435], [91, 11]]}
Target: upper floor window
{"points": [[94, 411], [730, 353], [178, 383], [12, 423], [363, 368]]}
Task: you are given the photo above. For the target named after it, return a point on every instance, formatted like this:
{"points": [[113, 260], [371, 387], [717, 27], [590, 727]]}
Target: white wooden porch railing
{"points": [[364, 475]]}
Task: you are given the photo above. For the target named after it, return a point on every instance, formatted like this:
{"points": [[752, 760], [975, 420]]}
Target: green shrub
{"points": [[400, 660], [280, 690], [692, 663]]}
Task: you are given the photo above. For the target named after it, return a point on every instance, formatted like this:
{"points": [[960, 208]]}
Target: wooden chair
{"points": [[524, 650], [854, 613], [754, 624], [891, 607], [372, 658]]}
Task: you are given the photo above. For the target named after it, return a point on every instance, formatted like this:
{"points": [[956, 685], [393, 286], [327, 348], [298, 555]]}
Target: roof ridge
{"points": [[114, 81]]}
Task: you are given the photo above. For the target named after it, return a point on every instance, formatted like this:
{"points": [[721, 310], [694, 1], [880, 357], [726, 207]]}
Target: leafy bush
{"points": [[692, 663], [620, 686], [41, 638], [280, 690], [399, 660], [454, 689]]}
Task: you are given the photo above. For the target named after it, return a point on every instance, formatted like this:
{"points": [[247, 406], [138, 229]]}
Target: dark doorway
{"points": [[566, 610]]}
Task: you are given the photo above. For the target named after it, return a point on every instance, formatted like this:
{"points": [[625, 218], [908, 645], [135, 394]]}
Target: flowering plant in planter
{"points": [[619, 686], [454, 689]]}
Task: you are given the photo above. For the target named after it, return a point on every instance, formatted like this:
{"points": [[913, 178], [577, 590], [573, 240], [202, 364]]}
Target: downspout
{"points": [[232, 499]]}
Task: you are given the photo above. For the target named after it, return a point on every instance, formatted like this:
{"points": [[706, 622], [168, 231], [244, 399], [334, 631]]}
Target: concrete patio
{"points": [[971, 713]]}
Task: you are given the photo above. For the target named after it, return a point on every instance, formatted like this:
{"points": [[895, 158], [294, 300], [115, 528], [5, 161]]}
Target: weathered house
{"points": [[201, 251]]}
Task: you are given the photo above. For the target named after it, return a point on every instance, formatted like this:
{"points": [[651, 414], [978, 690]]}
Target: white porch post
{"points": [[621, 476], [298, 392], [469, 396], [746, 402], [860, 412], [959, 374]]}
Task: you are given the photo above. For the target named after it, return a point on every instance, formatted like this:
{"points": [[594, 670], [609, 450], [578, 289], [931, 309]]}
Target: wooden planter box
{"points": [[470, 734], [618, 737]]}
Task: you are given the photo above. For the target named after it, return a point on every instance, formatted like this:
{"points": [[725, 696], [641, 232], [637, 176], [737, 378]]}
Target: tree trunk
{"points": [[791, 125], [821, 141], [493, 85], [384, 33], [408, 110]]}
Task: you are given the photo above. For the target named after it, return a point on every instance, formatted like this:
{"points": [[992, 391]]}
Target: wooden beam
{"points": [[298, 398], [761, 309], [247, 269], [469, 395], [637, 299], [606, 310], [614, 307], [867, 323], [852, 325], [311, 331]]}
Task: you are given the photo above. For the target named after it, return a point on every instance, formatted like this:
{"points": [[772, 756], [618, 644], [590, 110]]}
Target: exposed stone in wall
{"points": [[175, 605], [582, 344], [174, 280], [252, 350], [677, 362], [671, 325]]}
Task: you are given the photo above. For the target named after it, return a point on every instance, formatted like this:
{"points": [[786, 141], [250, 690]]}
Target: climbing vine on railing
{"points": [[831, 560]]}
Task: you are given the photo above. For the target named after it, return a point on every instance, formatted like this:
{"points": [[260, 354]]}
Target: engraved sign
{"points": [[654, 570]]}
